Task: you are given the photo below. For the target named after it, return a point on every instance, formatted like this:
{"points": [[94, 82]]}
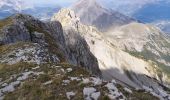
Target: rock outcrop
{"points": [[68, 47]]}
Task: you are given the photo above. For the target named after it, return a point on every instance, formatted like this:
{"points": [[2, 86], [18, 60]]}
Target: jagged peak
{"points": [[87, 4], [67, 17]]}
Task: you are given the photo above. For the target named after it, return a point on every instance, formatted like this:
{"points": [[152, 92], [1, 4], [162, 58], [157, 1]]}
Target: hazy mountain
{"points": [[9, 7], [155, 12], [91, 12]]}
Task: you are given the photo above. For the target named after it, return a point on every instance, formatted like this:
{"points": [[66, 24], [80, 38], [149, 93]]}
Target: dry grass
{"points": [[5, 22]]}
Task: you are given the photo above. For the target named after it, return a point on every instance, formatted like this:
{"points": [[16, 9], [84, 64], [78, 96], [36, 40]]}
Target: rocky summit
{"points": [[92, 13], [85, 52]]}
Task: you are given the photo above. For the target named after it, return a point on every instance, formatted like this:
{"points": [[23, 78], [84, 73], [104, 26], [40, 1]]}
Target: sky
{"points": [[49, 2]]}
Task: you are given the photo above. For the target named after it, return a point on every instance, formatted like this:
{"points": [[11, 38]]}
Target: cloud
{"points": [[16, 5]]}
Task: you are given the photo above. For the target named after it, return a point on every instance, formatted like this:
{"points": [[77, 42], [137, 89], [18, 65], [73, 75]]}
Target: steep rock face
{"points": [[24, 28], [79, 53], [113, 62], [92, 13]]}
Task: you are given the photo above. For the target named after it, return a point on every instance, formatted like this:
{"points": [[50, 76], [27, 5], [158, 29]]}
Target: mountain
{"points": [[42, 60], [91, 12], [114, 62], [155, 12], [43, 12], [164, 25], [143, 41], [66, 58], [26, 42]]}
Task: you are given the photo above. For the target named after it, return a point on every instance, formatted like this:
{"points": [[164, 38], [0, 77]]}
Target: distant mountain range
{"points": [[9, 7], [147, 11], [156, 13]]}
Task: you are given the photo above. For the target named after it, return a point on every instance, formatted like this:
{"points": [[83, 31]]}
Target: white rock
{"points": [[5, 84], [70, 94], [113, 81], [57, 66], [163, 93], [10, 87], [48, 82], [75, 79], [66, 81], [95, 95], [24, 76], [69, 69], [88, 91], [62, 70], [96, 81], [128, 90], [111, 86], [86, 80], [36, 67]]}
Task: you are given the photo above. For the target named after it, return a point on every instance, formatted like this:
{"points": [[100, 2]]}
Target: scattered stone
{"points": [[24, 76], [95, 95], [36, 68], [88, 91], [63, 70], [75, 79], [96, 81], [70, 94], [4, 84], [69, 69], [111, 86], [113, 81], [86, 80], [128, 90], [66, 81], [48, 82], [57, 66]]}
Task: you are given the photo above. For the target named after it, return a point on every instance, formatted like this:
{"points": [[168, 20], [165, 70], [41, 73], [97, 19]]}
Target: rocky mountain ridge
{"points": [[66, 59], [34, 64], [112, 60]]}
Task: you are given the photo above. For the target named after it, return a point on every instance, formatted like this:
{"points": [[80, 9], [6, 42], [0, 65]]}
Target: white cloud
{"points": [[17, 5]]}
